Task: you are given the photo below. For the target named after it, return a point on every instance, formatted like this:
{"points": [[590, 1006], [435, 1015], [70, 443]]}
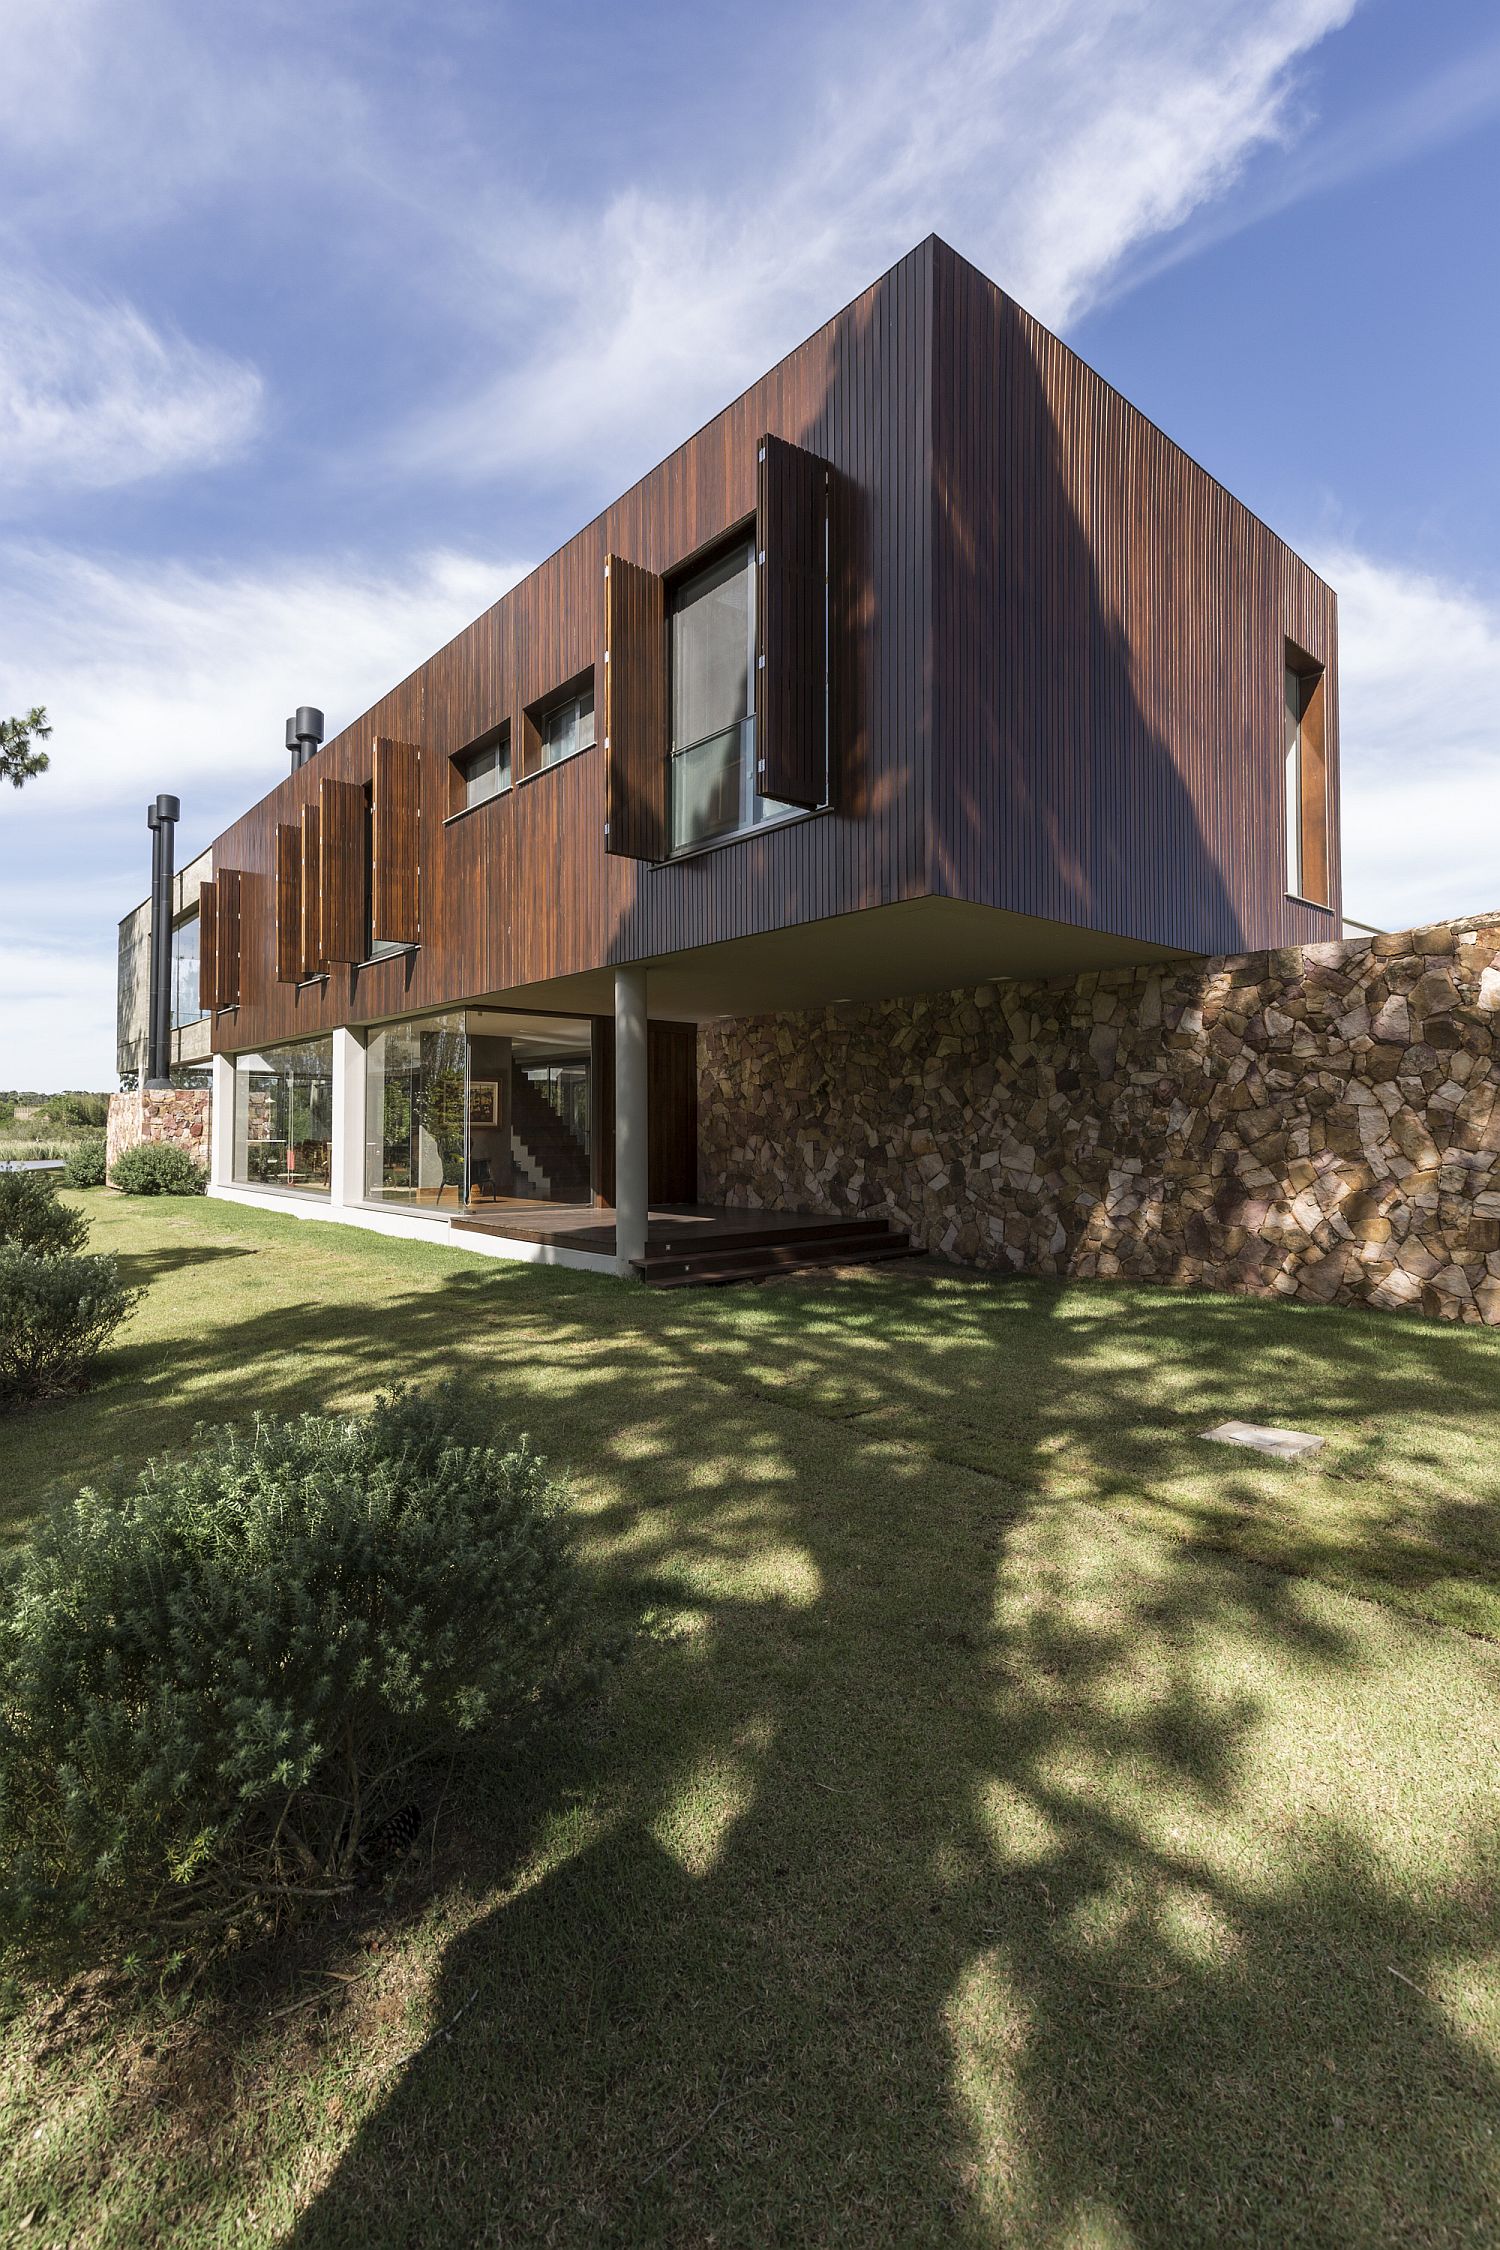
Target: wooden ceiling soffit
{"points": [[792, 494], [635, 711]]}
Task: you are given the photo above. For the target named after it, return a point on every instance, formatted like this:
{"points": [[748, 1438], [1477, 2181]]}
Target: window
{"points": [[713, 791], [483, 771], [559, 730], [1304, 779], [185, 1005], [283, 1117]]}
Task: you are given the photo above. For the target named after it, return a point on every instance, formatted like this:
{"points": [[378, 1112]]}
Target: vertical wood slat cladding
{"points": [[791, 619], [227, 893], [1025, 573], [1108, 627], [208, 944], [396, 817], [288, 903], [671, 1109], [856, 394], [310, 896], [635, 710], [341, 869]]}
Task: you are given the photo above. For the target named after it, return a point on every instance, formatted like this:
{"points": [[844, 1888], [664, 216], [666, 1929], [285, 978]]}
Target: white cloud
{"points": [[92, 395], [168, 678], [1043, 139], [163, 676], [1419, 663]]}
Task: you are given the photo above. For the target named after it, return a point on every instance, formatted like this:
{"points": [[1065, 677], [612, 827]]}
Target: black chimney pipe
{"points": [[153, 1059], [304, 732], [162, 820]]}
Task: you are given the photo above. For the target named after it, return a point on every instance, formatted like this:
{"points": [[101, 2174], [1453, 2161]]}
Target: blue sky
{"points": [[319, 323]]}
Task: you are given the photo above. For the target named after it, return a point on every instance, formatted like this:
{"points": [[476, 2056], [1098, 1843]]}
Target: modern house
{"points": [[928, 662]]}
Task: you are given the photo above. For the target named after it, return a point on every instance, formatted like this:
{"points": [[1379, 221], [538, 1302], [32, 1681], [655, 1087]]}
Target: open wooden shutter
{"points": [[288, 903], [791, 686], [227, 938], [1314, 780], [310, 934], [341, 870], [208, 938], [635, 711], [395, 800]]}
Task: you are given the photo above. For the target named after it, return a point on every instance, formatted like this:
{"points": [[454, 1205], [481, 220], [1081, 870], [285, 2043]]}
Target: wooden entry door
{"points": [[672, 1106]]}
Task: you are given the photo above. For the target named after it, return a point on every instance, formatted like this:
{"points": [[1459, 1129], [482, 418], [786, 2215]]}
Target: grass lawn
{"points": [[1042, 1827]]}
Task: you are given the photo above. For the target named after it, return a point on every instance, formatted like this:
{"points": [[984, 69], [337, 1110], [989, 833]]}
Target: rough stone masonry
{"points": [[1320, 1123]]}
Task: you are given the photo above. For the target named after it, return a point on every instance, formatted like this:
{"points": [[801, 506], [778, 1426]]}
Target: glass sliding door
{"points": [[283, 1117], [416, 1114]]}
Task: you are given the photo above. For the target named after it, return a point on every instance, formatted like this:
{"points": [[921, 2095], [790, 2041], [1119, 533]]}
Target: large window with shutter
{"points": [[712, 656]]}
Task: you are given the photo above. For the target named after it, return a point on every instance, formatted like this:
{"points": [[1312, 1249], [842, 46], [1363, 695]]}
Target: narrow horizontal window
{"points": [[559, 728], [482, 772]]}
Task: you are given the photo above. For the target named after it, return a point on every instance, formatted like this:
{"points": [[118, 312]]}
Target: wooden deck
{"points": [[693, 1242]]}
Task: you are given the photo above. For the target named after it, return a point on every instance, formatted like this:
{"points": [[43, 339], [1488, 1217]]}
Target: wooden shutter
{"points": [[227, 938], [288, 903], [1314, 781], [791, 613], [635, 711], [341, 870], [394, 795], [310, 935], [208, 938]]}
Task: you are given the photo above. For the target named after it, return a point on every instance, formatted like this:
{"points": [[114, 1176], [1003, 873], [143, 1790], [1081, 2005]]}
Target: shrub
{"points": [[56, 1316], [85, 1165], [75, 1109], [217, 1685], [31, 1218], [157, 1168]]}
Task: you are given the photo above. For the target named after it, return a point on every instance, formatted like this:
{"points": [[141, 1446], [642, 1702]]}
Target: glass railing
{"points": [[708, 786]]}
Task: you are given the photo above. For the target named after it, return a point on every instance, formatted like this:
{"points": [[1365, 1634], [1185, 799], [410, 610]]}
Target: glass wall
{"points": [[416, 1113], [478, 1108], [185, 1008], [283, 1117]]}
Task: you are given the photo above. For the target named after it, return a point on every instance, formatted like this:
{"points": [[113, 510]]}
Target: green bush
{"points": [[75, 1109], [157, 1168], [56, 1316], [85, 1166], [31, 1218], [217, 1685]]}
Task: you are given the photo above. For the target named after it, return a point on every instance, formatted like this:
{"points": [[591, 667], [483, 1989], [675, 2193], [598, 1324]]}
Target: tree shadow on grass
{"points": [[972, 1866], [139, 1268], [961, 1877]]}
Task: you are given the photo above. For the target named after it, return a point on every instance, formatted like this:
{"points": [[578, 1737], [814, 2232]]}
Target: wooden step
{"points": [[715, 1266]]}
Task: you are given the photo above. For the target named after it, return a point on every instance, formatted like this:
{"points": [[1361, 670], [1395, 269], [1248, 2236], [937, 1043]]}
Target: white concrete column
{"points": [[631, 1165], [347, 1155], [221, 1124]]}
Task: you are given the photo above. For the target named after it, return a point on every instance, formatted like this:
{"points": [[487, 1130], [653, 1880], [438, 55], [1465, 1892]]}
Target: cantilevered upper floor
{"points": [[928, 660]]}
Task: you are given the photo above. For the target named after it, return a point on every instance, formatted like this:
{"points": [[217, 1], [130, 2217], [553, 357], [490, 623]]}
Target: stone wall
{"points": [[1319, 1123], [178, 1114]]}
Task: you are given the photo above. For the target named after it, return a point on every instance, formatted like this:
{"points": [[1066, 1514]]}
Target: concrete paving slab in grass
{"points": [[1285, 1445]]}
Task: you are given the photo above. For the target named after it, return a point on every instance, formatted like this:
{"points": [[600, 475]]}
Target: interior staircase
{"points": [[549, 1153]]}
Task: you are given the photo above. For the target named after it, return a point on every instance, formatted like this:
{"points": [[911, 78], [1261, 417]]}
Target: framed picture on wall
{"points": [[484, 1101]]}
